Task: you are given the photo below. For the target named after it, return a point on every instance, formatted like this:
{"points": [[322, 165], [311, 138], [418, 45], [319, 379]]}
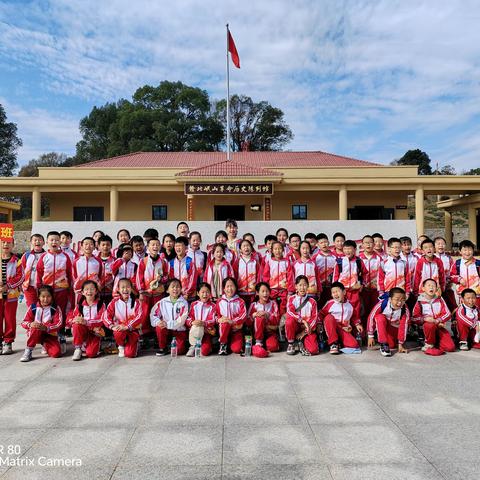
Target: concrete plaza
{"points": [[346, 417]]}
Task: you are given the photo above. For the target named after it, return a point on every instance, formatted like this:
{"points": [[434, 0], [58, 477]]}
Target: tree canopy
{"points": [[9, 142], [52, 159], [416, 157]]}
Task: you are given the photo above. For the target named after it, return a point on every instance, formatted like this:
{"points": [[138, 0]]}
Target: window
{"points": [[159, 212], [299, 212]]}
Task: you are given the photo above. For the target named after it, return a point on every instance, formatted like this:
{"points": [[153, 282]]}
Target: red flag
{"points": [[233, 50]]}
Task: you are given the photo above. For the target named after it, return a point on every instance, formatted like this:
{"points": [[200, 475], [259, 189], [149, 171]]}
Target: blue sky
{"points": [[367, 79]]}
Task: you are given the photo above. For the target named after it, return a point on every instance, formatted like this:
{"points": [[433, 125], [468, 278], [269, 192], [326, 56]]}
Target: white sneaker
{"points": [[44, 351], [427, 346], [27, 355], [476, 339], [121, 352], [191, 352], [7, 349], [77, 354], [463, 346]]}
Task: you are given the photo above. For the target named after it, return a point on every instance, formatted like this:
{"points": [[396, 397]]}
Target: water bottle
{"points": [[173, 348], [321, 342], [248, 346], [359, 339], [198, 348]]}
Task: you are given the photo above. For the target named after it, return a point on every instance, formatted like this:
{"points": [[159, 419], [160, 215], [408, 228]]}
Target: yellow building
{"points": [[251, 186]]}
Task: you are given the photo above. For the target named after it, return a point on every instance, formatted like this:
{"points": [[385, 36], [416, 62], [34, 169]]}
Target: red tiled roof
{"points": [[228, 168], [180, 160]]}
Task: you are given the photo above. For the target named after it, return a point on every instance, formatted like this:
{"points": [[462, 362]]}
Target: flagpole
{"points": [[228, 104]]}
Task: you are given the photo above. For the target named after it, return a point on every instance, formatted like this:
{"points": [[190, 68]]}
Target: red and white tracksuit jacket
{"points": [[232, 308], [86, 268], [468, 315], [170, 312], [92, 314], [71, 253], [308, 312], [342, 312], [216, 274], [395, 318], [293, 256], [43, 315], [14, 279], [372, 265], [54, 269], [272, 316], [349, 275], [29, 263], [382, 254], [279, 275], [185, 271], [136, 258], [248, 273], [326, 266], [229, 254], [121, 312], [147, 272], [204, 311], [107, 277], [122, 269], [426, 269], [310, 270], [435, 308], [447, 262], [393, 272], [199, 258], [469, 272], [411, 261]]}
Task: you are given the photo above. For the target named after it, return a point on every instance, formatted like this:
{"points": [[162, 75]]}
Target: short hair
{"points": [[123, 230], [230, 222], [270, 238], [53, 233], [223, 233], [204, 284], [181, 223], [466, 244], [170, 281], [276, 242], [136, 239], [245, 241], [281, 229], [37, 235], [350, 243], [219, 245], [393, 240], [429, 280], [88, 238], [262, 284], [439, 238], [181, 240], [405, 240], [426, 242], [377, 235], [151, 233], [123, 248], [395, 290], [248, 234], [153, 239], [338, 234], [322, 236], [467, 290], [229, 279], [366, 236], [67, 234], [310, 235], [294, 235], [191, 234], [338, 285], [105, 238], [49, 289], [300, 278]]}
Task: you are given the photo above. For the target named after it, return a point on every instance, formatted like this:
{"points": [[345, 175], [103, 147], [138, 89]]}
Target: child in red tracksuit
{"points": [[107, 259], [198, 256], [350, 272], [152, 274], [390, 318], [432, 312], [338, 315], [124, 317], [248, 272], [201, 321], [301, 321], [183, 268], [468, 320], [278, 273], [231, 315], [124, 267], [42, 322], [168, 317], [265, 318], [371, 260], [217, 270], [307, 267], [86, 321], [428, 267], [465, 272], [393, 272], [86, 267], [29, 264], [326, 262]]}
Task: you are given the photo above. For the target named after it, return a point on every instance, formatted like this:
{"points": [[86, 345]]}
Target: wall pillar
{"points": [[190, 211], [36, 204], [472, 224], [10, 216], [113, 204], [420, 210], [448, 230], [343, 203], [267, 208]]}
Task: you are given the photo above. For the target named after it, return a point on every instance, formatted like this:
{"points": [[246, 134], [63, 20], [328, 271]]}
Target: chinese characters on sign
{"points": [[6, 232], [228, 188]]}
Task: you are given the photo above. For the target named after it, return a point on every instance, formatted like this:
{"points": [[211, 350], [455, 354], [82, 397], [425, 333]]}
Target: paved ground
{"points": [[345, 417]]}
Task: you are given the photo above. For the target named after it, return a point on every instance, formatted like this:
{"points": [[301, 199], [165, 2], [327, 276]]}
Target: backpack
{"points": [[33, 307], [458, 262]]}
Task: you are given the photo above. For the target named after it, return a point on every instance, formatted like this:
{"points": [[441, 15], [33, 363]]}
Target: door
{"points": [[224, 212], [88, 214], [370, 213]]}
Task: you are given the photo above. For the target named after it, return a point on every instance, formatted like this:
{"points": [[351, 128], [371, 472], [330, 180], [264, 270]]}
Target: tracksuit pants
{"points": [[129, 340], [271, 341], [292, 327], [229, 337], [35, 336], [434, 335], [82, 334], [336, 334], [164, 335], [8, 320]]}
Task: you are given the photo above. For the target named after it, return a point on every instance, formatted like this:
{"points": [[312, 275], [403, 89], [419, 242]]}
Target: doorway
{"points": [[88, 214], [224, 212], [372, 212]]}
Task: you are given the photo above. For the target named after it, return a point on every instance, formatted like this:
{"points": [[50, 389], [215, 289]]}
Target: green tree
{"points": [[416, 157], [472, 171], [52, 159], [254, 126], [446, 170], [9, 142]]}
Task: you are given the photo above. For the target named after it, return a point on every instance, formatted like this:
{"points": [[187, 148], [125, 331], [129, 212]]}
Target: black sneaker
{"points": [[334, 350], [161, 352], [385, 350], [291, 349], [223, 349]]}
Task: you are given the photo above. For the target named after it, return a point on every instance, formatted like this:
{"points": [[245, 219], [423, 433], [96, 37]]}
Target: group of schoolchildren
{"points": [[317, 294]]}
